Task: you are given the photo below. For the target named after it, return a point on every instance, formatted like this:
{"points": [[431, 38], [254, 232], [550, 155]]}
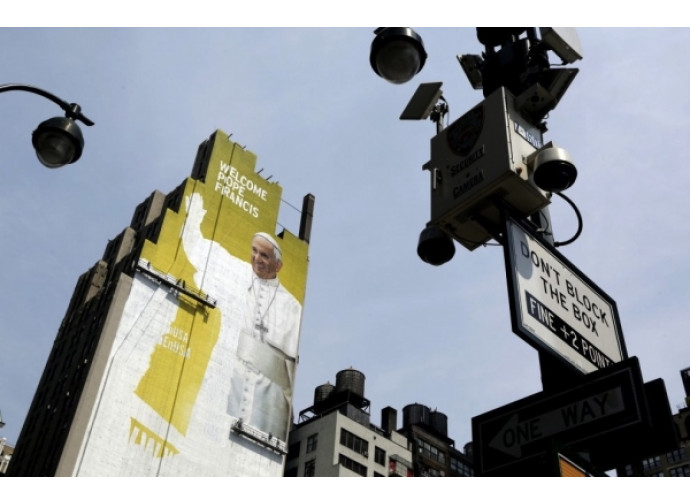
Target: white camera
{"points": [[564, 42], [553, 168]]}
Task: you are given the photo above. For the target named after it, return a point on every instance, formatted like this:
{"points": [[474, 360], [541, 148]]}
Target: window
{"points": [[352, 465], [353, 442], [311, 443], [431, 451], [379, 456], [460, 467], [651, 463], [676, 456], [682, 471], [309, 468]]}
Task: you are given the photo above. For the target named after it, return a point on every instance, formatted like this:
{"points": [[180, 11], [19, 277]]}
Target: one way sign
{"points": [[508, 441], [517, 433]]}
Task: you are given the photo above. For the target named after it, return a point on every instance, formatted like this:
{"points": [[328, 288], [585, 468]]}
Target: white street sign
{"points": [[555, 307]]}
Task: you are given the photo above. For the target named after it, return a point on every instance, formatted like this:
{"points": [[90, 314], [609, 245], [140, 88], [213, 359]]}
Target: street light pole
{"points": [[58, 141]]}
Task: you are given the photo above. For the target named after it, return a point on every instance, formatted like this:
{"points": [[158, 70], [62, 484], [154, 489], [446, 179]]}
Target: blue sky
{"points": [[320, 121]]}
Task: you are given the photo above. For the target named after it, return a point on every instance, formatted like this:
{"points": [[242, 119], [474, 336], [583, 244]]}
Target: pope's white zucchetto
{"points": [[272, 241]]}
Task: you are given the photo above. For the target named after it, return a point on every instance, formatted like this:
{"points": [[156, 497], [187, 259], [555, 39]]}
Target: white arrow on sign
{"points": [[515, 433]]}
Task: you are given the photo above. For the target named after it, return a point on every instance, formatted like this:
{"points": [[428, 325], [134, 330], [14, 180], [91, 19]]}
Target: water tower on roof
{"points": [[347, 391]]}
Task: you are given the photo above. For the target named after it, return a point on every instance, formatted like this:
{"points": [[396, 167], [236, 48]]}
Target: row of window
{"points": [[651, 463], [682, 471], [361, 446], [310, 467], [678, 472], [430, 451], [676, 456], [352, 465], [354, 442], [672, 457], [460, 467]]}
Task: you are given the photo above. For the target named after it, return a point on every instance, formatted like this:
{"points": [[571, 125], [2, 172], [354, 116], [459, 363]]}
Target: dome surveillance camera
{"points": [[435, 247], [554, 170]]}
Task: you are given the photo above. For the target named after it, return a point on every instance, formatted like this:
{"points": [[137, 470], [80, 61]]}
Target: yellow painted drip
{"points": [[142, 436]]}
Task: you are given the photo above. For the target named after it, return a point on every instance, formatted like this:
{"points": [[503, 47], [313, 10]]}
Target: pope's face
{"points": [[264, 261]]}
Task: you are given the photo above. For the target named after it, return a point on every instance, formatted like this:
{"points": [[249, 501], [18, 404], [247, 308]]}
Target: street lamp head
{"points": [[397, 54], [58, 141]]}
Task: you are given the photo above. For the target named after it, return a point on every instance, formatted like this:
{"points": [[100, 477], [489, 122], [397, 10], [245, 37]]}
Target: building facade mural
{"points": [[200, 376]]}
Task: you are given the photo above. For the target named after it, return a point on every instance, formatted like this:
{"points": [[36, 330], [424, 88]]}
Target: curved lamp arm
{"points": [[72, 110]]}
